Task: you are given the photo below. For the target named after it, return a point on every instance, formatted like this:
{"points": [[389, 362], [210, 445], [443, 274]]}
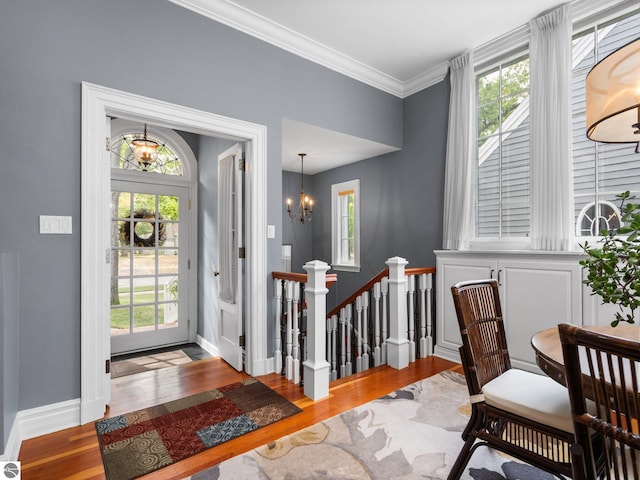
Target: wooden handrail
{"points": [[302, 277], [369, 285]]}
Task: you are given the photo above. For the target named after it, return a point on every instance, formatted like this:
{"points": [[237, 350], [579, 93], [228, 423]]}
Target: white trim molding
{"points": [[99, 103], [14, 442], [262, 28], [206, 345], [38, 421]]}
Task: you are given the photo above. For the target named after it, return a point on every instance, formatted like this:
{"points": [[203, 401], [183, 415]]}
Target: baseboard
{"points": [[40, 421], [208, 346], [49, 418], [446, 353], [12, 448]]}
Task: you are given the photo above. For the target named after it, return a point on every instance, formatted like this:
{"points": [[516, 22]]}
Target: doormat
{"points": [[140, 442], [145, 363]]}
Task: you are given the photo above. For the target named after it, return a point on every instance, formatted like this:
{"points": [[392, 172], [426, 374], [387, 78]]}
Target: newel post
{"points": [[316, 366], [398, 342]]}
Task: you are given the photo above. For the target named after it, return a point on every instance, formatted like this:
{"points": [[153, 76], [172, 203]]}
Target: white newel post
{"points": [[398, 343], [316, 366]]}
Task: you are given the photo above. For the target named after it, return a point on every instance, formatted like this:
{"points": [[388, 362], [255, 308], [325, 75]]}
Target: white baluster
{"points": [[289, 330], [384, 288], [377, 351], [277, 353], [365, 331], [343, 343], [422, 286], [358, 333], [333, 327], [297, 312], [429, 308], [349, 327], [411, 317]]}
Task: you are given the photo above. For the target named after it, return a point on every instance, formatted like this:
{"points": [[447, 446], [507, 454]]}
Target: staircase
{"points": [[389, 320]]}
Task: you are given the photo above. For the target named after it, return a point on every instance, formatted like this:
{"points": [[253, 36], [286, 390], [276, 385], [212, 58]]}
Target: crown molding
{"points": [[262, 28], [426, 79]]}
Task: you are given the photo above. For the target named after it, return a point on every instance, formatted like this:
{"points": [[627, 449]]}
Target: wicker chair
{"points": [[517, 412], [609, 374]]}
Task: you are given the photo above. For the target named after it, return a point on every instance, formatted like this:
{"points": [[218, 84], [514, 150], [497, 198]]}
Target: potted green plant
{"points": [[613, 267]]}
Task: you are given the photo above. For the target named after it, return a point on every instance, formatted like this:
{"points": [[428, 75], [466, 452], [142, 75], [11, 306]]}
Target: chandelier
{"points": [[145, 151], [305, 207]]}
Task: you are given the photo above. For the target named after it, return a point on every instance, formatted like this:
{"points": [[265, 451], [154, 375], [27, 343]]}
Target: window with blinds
{"points": [[502, 189], [600, 171], [345, 200]]}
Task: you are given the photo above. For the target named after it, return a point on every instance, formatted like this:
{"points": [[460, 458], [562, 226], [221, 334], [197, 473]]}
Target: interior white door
{"points": [[231, 255]]}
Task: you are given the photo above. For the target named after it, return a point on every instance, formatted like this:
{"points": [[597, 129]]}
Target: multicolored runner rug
{"points": [[140, 442]]}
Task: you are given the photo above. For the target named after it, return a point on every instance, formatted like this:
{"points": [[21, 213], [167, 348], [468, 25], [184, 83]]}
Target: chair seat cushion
{"points": [[532, 396]]}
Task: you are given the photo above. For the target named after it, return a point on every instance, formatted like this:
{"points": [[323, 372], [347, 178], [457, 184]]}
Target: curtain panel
{"points": [[459, 189], [551, 174]]}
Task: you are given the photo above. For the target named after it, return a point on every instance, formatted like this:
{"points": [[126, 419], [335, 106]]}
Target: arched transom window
{"points": [[123, 146]]}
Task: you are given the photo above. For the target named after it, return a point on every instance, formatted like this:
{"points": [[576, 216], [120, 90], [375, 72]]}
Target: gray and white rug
{"points": [[413, 433]]}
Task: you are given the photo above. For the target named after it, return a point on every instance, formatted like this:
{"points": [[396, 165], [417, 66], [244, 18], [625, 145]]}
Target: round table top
{"points": [[548, 348]]}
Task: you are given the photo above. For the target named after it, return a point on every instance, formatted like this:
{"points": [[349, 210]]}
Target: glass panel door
{"points": [[148, 274]]}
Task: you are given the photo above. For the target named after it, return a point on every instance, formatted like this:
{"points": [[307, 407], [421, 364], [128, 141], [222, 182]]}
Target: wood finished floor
{"points": [[74, 453]]}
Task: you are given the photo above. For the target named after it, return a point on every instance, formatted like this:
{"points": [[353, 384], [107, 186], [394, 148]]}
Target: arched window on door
{"points": [[167, 162]]}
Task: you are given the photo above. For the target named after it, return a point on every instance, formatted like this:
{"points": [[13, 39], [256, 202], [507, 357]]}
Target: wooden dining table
{"points": [[548, 348]]}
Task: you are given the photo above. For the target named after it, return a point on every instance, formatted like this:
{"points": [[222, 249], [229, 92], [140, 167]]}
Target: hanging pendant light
{"points": [[613, 97], [305, 206], [145, 151]]}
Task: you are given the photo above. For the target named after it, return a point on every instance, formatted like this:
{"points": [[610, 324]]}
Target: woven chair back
{"points": [[605, 369], [484, 343]]}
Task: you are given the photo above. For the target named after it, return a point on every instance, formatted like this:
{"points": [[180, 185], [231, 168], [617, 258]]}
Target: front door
{"points": [[231, 255], [149, 263]]}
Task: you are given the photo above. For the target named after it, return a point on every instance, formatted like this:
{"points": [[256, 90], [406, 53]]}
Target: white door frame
{"points": [[99, 103]]}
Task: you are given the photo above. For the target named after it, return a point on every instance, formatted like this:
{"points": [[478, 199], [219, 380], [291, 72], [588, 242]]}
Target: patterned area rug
{"points": [[413, 433], [140, 442]]}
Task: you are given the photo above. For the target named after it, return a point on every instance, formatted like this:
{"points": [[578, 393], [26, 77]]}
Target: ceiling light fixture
{"points": [[613, 97], [305, 207], [145, 151]]}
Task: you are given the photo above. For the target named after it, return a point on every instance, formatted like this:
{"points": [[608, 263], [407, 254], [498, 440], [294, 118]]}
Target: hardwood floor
{"points": [[74, 454]]}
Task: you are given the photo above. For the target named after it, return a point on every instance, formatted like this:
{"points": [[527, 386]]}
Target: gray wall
{"points": [[46, 50], [401, 193], [295, 233]]}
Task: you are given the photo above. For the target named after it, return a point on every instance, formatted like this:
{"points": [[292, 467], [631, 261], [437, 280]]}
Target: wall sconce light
{"points": [[613, 97]]}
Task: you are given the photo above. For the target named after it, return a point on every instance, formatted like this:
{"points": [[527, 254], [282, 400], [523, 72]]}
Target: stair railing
{"points": [[359, 330], [387, 321]]}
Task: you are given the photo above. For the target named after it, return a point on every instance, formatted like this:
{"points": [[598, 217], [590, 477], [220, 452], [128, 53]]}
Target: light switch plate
{"points": [[271, 231], [52, 224]]}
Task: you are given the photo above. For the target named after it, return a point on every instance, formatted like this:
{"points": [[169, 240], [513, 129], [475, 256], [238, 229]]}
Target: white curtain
{"points": [[225, 230], [551, 175], [459, 188]]}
